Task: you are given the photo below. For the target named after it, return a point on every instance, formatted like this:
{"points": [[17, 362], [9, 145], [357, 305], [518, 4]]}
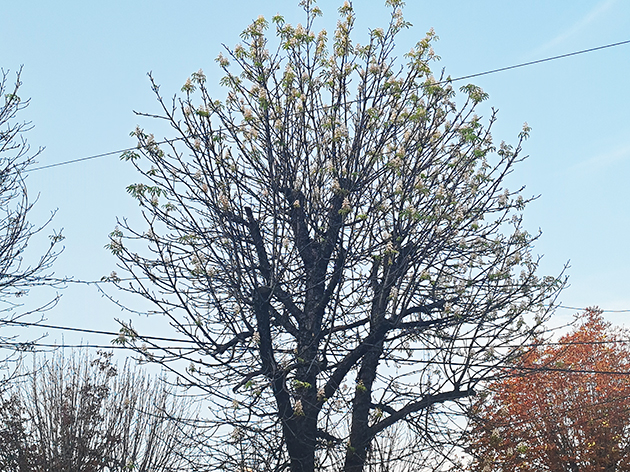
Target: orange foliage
{"points": [[565, 409]]}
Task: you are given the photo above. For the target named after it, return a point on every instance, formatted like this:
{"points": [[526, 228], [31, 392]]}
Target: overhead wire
{"points": [[583, 309], [96, 156], [90, 331], [106, 280], [31, 346], [538, 61], [191, 341], [449, 80]]}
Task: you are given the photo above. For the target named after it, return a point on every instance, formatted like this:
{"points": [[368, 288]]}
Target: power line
{"points": [[31, 346], [190, 341], [538, 61], [34, 346], [132, 279], [104, 280], [478, 74], [97, 156], [583, 309], [91, 331]]}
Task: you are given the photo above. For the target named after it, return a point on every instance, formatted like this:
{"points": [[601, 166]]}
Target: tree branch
{"points": [[425, 402], [263, 259]]}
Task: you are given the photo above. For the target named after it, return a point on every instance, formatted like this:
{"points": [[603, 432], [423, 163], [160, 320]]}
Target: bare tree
{"points": [[79, 413], [336, 240], [18, 272]]}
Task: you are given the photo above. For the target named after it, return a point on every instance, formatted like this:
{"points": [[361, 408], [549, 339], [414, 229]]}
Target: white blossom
{"points": [[345, 206], [224, 201]]}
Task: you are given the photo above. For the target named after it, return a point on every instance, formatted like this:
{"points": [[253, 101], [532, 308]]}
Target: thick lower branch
{"points": [[422, 404]]}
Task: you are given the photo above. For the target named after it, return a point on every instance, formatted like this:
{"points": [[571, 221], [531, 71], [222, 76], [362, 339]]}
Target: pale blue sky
{"points": [[85, 66]]}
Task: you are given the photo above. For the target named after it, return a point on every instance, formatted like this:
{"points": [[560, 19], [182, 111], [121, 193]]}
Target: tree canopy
{"points": [[83, 413], [566, 408], [336, 242]]}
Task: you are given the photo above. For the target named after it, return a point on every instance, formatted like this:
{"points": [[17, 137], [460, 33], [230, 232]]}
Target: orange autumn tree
{"points": [[566, 408]]}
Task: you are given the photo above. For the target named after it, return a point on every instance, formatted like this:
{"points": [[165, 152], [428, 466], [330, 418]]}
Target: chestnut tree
{"points": [[336, 242]]}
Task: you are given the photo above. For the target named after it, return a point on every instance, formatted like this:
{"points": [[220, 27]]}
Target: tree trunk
{"points": [[300, 435], [360, 436]]}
